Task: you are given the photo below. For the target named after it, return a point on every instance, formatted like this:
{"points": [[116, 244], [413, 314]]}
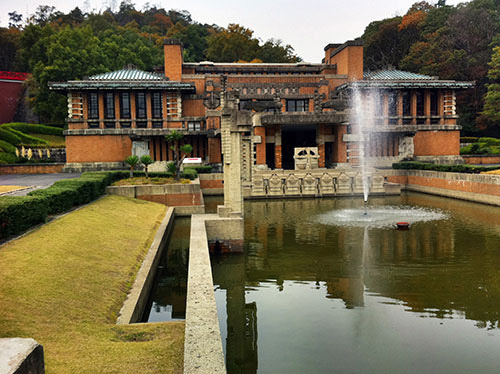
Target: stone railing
{"points": [[313, 183]]}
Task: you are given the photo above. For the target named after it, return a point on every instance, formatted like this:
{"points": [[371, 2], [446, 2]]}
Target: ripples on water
{"points": [[379, 217]]}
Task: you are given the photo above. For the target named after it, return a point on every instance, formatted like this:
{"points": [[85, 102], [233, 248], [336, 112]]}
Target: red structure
{"points": [[11, 92]]}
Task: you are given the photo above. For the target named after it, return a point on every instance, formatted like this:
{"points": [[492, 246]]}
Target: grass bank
{"points": [[64, 285]]}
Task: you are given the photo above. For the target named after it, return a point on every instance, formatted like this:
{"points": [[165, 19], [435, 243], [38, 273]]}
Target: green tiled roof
{"points": [[128, 75], [395, 75]]}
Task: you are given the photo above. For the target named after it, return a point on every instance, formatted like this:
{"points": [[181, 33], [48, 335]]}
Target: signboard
{"points": [[192, 160]]}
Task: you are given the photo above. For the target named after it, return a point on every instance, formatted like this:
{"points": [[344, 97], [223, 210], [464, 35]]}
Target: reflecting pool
{"points": [[315, 295]]}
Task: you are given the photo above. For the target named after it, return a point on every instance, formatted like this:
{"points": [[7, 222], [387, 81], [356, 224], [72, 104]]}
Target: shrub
{"points": [[189, 173], [203, 169], [489, 141], [7, 158], [19, 213], [8, 136], [27, 139], [29, 128], [59, 199], [7, 147], [470, 169]]}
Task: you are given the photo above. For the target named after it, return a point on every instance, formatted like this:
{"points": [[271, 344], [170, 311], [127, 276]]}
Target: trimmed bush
{"points": [[415, 165], [19, 213], [203, 169], [29, 128], [7, 147], [189, 173], [8, 136], [489, 141], [27, 140], [7, 158], [59, 199]]}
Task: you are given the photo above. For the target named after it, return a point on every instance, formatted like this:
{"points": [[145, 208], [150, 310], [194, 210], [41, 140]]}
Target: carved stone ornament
{"points": [[211, 100]]}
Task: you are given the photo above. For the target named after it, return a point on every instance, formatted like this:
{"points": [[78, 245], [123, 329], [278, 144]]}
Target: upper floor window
{"points": [[406, 104], [156, 105], [109, 105], [420, 103], [93, 105], [434, 103], [194, 125], [297, 105], [124, 105], [140, 105]]}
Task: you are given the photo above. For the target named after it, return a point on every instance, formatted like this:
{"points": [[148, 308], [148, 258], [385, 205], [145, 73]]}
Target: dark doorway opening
{"points": [[270, 155], [293, 136]]}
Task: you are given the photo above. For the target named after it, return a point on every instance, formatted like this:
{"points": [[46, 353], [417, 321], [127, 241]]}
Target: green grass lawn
{"points": [[64, 284], [54, 140]]}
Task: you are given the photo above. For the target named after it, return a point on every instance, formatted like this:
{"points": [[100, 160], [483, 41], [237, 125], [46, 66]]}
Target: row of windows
{"points": [[124, 103], [292, 105]]}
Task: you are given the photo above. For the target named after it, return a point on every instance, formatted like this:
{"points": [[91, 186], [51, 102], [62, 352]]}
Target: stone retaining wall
{"points": [[482, 188], [31, 168], [21, 356], [137, 298], [187, 198], [212, 184]]}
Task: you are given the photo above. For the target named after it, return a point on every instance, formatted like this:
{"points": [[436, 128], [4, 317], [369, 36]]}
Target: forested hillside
{"points": [[453, 42], [54, 46]]}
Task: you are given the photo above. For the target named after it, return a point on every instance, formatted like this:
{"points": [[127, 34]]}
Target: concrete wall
{"points": [[31, 169], [212, 184], [187, 198], [482, 188], [133, 308], [21, 356]]}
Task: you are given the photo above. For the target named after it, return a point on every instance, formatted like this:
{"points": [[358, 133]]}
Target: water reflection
{"points": [[373, 299]]}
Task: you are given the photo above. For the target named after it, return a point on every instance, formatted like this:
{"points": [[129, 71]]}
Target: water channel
{"points": [[316, 292]]}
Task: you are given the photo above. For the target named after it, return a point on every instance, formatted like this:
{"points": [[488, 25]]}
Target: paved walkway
{"points": [[34, 181]]}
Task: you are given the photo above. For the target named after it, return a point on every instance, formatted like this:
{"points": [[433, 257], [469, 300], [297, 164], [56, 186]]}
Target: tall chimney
{"points": [[172, 49]]}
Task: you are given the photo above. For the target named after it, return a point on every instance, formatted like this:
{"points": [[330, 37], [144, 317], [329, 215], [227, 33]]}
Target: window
{"points": [[194, 126], [297, 105], [125, 105], [140, 104], [156, 104], [420, 104], [434, 103], [406, 104], [93, 105], [109, 105]]}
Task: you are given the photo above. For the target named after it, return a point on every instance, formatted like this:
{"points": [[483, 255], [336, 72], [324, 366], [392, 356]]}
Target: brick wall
{"points": [[437, 143], [32, 169], [98, 148]]}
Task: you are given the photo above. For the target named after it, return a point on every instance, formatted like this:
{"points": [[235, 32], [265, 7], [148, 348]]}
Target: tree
{"points": [[15, 20], [174, 139], [146, 160], [492, 99], [132, 161]]}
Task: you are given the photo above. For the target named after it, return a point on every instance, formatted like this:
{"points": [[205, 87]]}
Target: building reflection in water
{"points": [[419, 268]]}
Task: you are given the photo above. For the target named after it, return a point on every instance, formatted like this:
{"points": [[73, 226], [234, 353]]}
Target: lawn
{"points": [[54, 140], [4, 189], [64, 284]]}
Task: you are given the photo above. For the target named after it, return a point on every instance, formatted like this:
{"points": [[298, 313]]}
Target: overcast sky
{"points": [[307, 25]]}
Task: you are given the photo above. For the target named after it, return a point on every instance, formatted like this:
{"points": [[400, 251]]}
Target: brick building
{"points": [[113, 115]]}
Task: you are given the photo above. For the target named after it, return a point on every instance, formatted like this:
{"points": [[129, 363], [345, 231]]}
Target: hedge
{"points": [[464, 168], [19, 213], [7, 158], [27, 139], [7, 147], [202, 169], [468, 139], [30, 128], [8, 136]]}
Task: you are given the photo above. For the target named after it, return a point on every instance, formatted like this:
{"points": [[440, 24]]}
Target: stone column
{"points": [[149, 115], [320, 141], [427, 107], [101, 110], [385, 109], [413, 107], [117, 109], [260, 130], [399, 110], [277, 148]]}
